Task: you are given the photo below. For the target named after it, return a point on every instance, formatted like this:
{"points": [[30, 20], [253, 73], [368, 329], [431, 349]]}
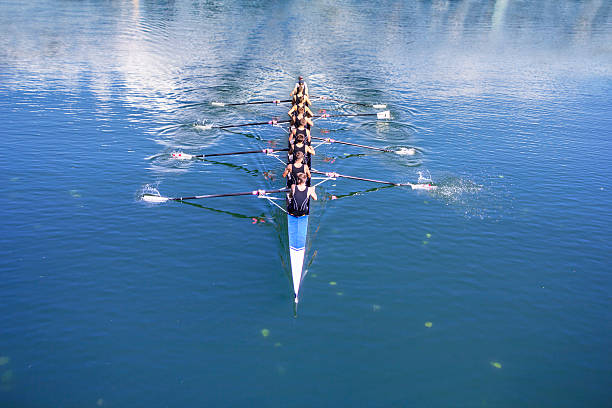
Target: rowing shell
{"points": [[297, 228]]}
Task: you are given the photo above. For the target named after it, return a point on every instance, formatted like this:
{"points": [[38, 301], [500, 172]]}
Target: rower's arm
{"points": [[294, 90], [310, 150], [291, 110], [308, 111], [287, 170], [312, 193], [307, 171]]}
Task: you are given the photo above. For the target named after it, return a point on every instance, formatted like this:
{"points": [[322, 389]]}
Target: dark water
{"points": [[492, 291]]}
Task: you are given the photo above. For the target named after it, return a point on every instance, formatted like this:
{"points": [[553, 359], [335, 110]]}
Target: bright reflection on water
{"points": [[494, 288]]}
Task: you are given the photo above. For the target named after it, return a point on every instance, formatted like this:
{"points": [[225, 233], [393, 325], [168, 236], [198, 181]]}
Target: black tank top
{"points": [[300, 202], [295, 171], [297, 148], [301, 132]]}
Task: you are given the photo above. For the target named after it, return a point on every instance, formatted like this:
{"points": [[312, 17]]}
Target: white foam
{"points": [[406, 151]]}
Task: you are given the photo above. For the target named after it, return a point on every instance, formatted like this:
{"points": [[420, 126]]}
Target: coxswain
{"points": [[299, 112], [299, 198], [300, 88], [293, 169]]}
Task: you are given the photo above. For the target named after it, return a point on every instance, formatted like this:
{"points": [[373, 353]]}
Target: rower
{"points": [[300, 87], [301, 144], [294, 169], [299, 112], [300, 129], [299, 199], [300, 98]]}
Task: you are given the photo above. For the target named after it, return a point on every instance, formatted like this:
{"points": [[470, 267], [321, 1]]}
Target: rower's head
{"points": [[299, 155], [299, 138], [301, 178], [303, 122], [301, 108], [300, 80]]}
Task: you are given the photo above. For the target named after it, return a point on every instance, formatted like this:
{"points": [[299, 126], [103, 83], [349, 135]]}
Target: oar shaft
{"points": [[270, 122], [341, 100], [275, 121], [266, 151], [353, 177], [257, 102], [256, 192], [345, 115], [350, 144]]}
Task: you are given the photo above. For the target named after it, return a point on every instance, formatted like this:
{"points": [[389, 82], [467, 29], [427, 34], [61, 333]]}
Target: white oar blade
{"points": [[379, 106], [217, 104], [181, 156], [423, 187], [150, 198], [383, 115]]}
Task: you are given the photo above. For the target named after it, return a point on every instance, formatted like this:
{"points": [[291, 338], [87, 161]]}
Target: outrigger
{"points": [[297, 227]]}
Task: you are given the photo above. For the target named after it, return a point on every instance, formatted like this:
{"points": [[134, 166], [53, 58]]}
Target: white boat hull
{"points": [[297, 228]]}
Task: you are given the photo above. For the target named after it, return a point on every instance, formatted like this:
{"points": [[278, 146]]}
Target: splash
{"points": [[468, 197], [150, 194], [454, 190], [202, 126], [424, 177], [406, 151]]}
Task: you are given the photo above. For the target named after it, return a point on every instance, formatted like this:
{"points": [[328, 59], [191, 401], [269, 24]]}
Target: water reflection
{"points": [[184, 50]]}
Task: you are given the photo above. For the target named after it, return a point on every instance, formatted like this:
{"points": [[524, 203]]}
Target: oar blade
{"points": [[426, 187], [151, 198], [379, 106], [383, 115], [182, 156], [217, 104]]}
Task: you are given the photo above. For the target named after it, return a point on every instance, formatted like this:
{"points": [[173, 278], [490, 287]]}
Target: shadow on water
{"points": [[256, 218]]}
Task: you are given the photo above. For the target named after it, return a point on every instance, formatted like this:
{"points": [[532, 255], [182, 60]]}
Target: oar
{"points": [[160, 199], [269, 122], [276, 102], [414, 186], [369, 105], [185, 156], [329, 140], [379, 115], [275, 121]]}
